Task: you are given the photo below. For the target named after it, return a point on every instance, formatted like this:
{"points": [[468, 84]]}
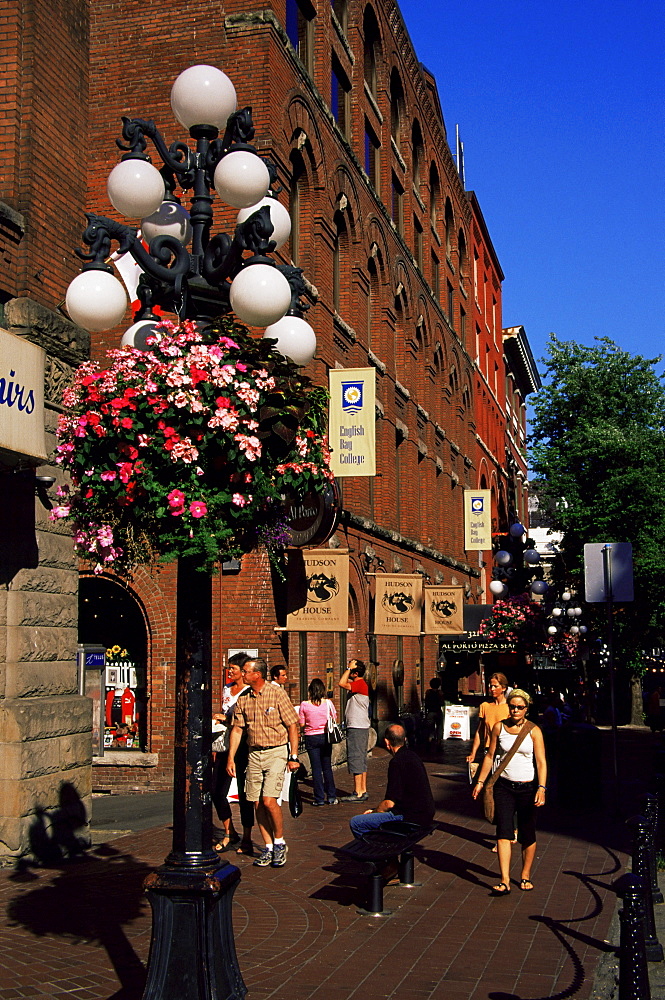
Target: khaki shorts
{"points": [[265, 773]]}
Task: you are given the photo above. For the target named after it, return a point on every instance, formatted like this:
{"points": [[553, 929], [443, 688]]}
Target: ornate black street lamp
{"points": [[192, 954]]}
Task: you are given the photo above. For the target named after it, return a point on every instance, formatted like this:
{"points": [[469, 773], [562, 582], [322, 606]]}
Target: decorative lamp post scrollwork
{"points": [[198, 275]]}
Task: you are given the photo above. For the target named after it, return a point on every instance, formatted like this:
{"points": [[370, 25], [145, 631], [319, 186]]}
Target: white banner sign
{"points": [[21, 396], [352, 421]]}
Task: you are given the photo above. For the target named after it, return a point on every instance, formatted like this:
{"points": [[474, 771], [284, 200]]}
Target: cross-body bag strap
{"points": [[526, 729]]}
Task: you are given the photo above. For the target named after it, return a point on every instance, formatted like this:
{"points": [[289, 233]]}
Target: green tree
{"points": [[598, 446]]}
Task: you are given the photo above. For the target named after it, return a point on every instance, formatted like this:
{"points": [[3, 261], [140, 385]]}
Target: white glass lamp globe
{"points": [[566, 596], [135, 188], [170, 219], [570, 612], [503, 558], [516, 530], [279, 216], [260, 295], [557, 611], [539, 587], [583, 629], [96, 300], [136, 335], [574, 629], [552, 630], [295, 339], [241, 179], [531, 557], [578, 612], [203, 95], [497, 588]]}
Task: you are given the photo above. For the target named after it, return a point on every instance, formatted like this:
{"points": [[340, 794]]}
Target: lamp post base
{"points": [[192, 951]]}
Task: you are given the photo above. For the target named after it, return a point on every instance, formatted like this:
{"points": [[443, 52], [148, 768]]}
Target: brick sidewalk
{"points": [[83, 931]]}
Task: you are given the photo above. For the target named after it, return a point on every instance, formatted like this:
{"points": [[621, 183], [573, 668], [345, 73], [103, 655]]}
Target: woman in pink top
{"points": [[313, 717]]}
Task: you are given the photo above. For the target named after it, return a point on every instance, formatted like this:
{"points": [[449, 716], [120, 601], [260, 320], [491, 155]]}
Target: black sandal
{"points": [[497, 890], [526, 885]]}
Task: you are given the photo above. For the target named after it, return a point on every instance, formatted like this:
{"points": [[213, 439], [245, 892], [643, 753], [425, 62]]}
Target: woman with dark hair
{"points": [[520, 788], [313, 717]]}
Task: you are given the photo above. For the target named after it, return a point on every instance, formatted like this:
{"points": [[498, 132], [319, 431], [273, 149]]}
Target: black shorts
{"points": [[515, 798]]}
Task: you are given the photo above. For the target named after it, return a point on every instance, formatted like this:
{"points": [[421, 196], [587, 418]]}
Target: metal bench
{"points": [[392, 842]]}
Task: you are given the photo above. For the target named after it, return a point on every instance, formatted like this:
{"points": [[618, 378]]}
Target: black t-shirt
{"points": [[408, 787], [433, 701]]}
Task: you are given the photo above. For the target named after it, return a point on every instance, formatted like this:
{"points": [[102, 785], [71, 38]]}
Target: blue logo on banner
{"points": [[477, 504], [352, 396]]}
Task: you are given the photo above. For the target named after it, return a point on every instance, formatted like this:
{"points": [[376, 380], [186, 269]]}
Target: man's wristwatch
{"points": [[293, 758]]}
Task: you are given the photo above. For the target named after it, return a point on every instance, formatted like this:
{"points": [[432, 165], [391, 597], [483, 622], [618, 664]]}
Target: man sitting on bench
{"points": [[408, 792]]}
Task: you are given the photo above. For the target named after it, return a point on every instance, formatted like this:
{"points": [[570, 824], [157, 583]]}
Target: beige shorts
{"points": [[265, 773]]}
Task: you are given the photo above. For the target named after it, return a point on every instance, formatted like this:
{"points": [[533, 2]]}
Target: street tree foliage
{"points": [[598, 448]]}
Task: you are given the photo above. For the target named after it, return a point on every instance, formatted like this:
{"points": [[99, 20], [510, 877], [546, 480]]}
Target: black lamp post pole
{"points": [[192, 952]]}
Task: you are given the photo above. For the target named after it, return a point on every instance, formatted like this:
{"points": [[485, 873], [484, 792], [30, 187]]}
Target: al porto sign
{"points": [[313, 518]]}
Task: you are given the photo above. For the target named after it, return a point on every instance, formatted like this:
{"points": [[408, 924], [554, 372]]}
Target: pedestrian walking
{"points": [[489, 713], [266, 713], [313, 716], [519, 789], [357, 728], [221, 779]]}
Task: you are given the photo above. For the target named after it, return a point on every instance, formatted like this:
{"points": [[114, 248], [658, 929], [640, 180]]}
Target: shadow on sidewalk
{"points": [[91, 900], [567, 935]]}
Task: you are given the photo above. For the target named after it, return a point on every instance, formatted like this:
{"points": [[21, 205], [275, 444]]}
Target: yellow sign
{"points": [[444, 610], [477, 520], [352, 421], [21, 397], [398, 604], [318, 590]]}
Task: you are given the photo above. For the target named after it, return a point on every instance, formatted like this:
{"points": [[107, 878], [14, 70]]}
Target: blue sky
{"points": [[561, 111]]}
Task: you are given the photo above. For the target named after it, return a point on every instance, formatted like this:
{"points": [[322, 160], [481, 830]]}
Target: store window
{"points": [[110, 616]]}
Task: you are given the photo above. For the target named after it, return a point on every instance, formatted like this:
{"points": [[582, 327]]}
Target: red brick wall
{"points": [[425, 378], [43, 144]]}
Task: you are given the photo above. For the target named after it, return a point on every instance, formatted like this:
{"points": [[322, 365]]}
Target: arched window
{"points": [[461, 253], [371, 49], [373, 301], [341, 12], [434, 195], [396, 105], [449, 222], [340, 258], [416, 155], [297, 185], [300, 29]]}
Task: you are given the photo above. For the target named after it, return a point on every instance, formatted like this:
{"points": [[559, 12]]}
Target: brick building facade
{"points": [[44, 724]]}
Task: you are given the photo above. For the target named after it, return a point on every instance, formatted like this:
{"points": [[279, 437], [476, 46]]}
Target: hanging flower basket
{"points": [[187, 448], [518, 620]]}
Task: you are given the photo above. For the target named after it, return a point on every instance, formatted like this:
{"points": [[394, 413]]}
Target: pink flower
{"points": [[239, 500], [109, 476], [176, 498], [197, 508]]}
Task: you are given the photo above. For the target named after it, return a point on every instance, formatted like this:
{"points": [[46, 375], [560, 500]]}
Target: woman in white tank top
{"points": [[519, 789]]}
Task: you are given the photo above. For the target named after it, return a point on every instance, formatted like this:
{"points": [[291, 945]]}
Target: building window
{"points": [[371, 49], [434, 195], [461, 253], [340, 10], [418, 242], [340, 256], [298, 179], [462, 326], [450, 303], [300, 30], [340, 89], [372, 159], [396, 102], [397, 204], [449, 221], [416, 155], [434, 282]]}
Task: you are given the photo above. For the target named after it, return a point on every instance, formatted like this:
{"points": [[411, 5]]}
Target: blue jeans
{"points": [[363, 824], [320, 758]]}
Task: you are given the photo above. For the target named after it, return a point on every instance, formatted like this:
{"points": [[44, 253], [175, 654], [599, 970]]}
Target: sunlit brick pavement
{"points": [[84, 930]]}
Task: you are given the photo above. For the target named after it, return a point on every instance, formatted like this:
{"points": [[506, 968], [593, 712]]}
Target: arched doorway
{"points": [[111, 616]]}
